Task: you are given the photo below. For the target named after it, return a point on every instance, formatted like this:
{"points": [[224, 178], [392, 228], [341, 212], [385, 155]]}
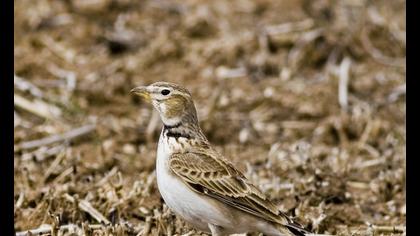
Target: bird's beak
{"points": [[143, 92]]}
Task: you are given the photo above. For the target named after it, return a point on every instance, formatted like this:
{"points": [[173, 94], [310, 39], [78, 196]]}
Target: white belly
{"points": [[195, 208]]}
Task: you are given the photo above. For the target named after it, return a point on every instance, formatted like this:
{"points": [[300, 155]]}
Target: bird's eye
{"points": [[165, 92]]}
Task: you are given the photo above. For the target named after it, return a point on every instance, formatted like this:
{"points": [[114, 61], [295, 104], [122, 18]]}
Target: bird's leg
{"points": [[216, 230]]}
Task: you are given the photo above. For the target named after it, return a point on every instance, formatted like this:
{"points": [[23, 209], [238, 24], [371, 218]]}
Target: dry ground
{"points": [[306, 97]]}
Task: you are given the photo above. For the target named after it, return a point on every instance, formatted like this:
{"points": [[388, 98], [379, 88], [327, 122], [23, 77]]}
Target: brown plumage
{"points": [[185, 155]]}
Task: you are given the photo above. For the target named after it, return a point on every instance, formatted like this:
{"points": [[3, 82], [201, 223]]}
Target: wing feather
{"points": [[219, 179]]}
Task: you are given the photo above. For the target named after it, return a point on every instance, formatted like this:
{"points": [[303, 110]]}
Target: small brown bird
{"points": [[198, 183]]}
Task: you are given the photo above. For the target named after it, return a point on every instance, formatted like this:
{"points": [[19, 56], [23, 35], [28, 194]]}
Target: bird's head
{"points": [[172, 101]]}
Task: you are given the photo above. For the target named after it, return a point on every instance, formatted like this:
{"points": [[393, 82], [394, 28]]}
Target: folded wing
{"points": [[209, 173]]}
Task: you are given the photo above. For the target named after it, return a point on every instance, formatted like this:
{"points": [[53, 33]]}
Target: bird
{"points": [[198, 183]]}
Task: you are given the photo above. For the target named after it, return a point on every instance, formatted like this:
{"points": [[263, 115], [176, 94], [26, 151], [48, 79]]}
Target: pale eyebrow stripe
{"points": [[158, 88]]}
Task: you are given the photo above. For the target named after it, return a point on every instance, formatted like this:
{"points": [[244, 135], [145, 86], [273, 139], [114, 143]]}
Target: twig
{"points": [[18, 121], [338, 125], [297, 53], [20, 200], [189, 233], [389, 229], [371, 150], [87, 207], [59, 50], [373, 230], [392, 26], [378, 55], [53, 166], [343, 83], [290, 27], [147, 227], [25, 85], [396, 93], [358, 185], [230, 73], [63, 174], [37, 107], [67, 136], [67, 75], [84, 205], [318, 220], [43, 229], [149, 182], [43, 152], [369, 163], [105, 179], [366, 132], [296, 124]]}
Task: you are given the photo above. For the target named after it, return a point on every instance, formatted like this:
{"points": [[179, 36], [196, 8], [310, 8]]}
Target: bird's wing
{"points": [[209, 173]]}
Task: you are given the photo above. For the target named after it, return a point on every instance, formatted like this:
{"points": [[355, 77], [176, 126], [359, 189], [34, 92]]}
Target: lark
{"points": [[198, 183]]}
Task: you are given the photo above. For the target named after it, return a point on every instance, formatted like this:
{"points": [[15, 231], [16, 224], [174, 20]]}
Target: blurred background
{"points": [[306, 97]]}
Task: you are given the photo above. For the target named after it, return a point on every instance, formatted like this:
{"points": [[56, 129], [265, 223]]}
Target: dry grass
{"points": [[306, 97]]}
